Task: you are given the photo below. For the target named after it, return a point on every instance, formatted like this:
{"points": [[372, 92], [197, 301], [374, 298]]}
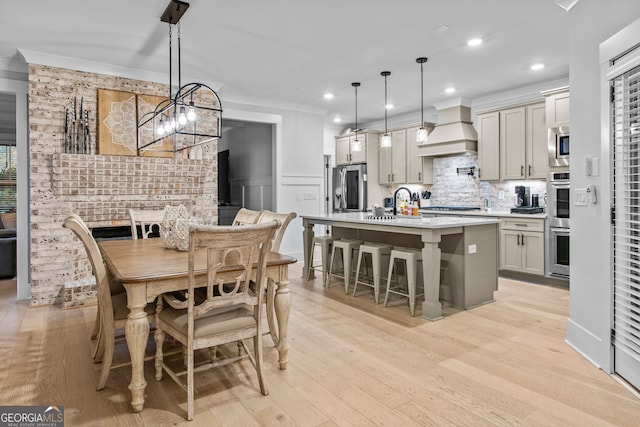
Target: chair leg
{"points": [[271, 321], [159, 338], [258, 350], [96, 326], [98, 351], [386, 294], [189, 383], [107, 359]]}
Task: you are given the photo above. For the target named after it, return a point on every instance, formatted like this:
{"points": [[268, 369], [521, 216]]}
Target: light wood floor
{"points": [[350, 363]]}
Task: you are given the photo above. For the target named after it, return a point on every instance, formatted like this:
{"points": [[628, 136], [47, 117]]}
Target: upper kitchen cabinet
{"points": [[489, 146], [344, 151], [557, 107], [392, 160], [512, 143], [419, 169]]}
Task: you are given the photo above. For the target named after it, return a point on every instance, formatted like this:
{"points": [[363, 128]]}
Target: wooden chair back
{"points": [[283, 218], [146, 219], [74, 223], [229, 247], [246, 216]]}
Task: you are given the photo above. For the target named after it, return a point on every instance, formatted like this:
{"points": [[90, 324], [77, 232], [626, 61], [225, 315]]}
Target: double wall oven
{"points": [[558, 225]]}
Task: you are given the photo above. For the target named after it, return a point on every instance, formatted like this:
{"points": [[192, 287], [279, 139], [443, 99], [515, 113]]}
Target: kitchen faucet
{"points": [[395, 198]]}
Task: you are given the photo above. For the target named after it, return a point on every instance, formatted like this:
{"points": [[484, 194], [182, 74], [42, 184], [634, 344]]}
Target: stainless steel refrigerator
{"points": [[350, 188]]}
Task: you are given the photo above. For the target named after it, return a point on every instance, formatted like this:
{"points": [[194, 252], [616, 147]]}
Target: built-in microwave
{"points": [[559, 147]]}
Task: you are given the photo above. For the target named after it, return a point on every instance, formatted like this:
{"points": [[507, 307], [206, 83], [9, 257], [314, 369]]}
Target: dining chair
{"points": [[246, 216], [230, 313], [112, 308], [284, 219], [146, 219]]}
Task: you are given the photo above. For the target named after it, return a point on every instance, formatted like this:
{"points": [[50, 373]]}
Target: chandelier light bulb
{"points": [[422, 135], [356, 146], [191, 114], [182, 117], [160, 129], [385, 141]]}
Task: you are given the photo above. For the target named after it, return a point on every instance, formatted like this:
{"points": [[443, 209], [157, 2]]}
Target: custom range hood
{"points": [[454, 134]]}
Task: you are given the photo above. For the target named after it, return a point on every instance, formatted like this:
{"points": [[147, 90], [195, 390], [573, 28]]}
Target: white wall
{"points": [[298, 165], [588, 328]]}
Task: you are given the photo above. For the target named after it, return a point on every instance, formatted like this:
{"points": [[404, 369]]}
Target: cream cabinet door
{"points": [[510, 252], [414, 161], [536, 142], [392, 160], [558, 109], [399, 156], [512, 143], [342, 150], [489, 146], [532, 252], [384, 165]]}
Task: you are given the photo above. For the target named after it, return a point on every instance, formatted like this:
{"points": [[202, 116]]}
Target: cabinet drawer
{"points": [[522, 224]]}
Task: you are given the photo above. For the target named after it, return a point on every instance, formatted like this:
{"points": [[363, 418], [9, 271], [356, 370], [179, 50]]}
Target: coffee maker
{"points": [[523, 196]]}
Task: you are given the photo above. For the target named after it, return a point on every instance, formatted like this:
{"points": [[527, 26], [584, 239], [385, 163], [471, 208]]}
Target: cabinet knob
{"points": [[521, 170], [518, 236], [419, 176], [388, 177], [523, 240], [529, 169]]}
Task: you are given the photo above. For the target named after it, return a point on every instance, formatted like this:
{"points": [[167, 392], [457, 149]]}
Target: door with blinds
{"points": [[625, 126]]}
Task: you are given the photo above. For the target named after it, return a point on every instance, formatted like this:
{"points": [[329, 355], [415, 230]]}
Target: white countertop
{"points": [[411, 222]]}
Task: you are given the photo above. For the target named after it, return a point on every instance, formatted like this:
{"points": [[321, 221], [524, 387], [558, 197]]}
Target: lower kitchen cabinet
{"points": [[522, 245]]}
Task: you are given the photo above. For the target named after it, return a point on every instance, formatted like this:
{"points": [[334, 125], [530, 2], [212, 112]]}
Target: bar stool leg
{"points": [[358, 264], [346, 261], [411, 284], [386, 294], [333, 257], [324, 256], [376, 262]]}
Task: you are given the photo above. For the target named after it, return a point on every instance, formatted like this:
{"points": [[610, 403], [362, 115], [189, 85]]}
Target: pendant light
{"points": [[422, 135], [189, 117], [385, 141], [356, 145]]}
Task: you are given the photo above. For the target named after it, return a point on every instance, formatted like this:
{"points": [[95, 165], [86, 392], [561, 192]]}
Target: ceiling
{"points": [[288, 53]]}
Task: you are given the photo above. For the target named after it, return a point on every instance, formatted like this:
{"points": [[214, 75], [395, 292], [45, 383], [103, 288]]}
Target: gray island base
{"points": [[465, 249]]}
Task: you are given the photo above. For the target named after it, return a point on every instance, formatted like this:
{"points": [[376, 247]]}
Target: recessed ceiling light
{"points": [[388, 106], [450, 89], [337, 119], [474, 42], [537, 67], [328, 95]]}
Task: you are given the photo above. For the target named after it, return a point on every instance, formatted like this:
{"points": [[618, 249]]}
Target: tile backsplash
{"points": [[452, 189]]}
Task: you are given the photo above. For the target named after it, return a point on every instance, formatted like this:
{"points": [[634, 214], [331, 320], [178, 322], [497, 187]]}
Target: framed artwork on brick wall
{"points": [[118, 114]]}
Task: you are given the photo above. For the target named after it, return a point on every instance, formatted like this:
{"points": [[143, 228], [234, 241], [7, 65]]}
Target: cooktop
{"points": [[453, 208]]}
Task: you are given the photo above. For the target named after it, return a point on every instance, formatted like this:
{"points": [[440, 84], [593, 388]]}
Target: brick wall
{"points": [[99, 188]]}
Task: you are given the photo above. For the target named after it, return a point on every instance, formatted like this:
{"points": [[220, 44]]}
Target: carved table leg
{"points": [[282, 309], [137, 333]]}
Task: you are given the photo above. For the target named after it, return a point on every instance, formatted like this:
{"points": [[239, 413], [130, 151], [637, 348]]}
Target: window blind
{"points": [[626, 229], [7, 178]]}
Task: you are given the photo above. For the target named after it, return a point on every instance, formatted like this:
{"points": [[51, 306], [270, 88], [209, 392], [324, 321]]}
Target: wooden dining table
{"points": [[147, 269]]}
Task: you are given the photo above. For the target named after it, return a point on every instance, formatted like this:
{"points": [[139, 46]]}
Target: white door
{"points": [[625, 124]]}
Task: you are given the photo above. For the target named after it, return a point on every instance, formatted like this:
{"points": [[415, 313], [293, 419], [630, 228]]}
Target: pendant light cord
{"points": [[421, 96], [385, 104]]}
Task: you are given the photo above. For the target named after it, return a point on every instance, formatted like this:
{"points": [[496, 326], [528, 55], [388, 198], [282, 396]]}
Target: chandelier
{"points": [[189, 117]]}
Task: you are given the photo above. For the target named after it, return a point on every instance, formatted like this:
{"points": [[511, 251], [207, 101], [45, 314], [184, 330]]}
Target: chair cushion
{"points": [[215, 322]]}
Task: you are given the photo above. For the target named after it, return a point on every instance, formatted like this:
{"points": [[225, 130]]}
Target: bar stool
{"points": [[346, 247], [325, 243], [375, 252], [411, 258]]}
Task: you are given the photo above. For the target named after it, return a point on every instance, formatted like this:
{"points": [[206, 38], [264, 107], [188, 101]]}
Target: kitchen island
{"points": [[467, 247]]}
